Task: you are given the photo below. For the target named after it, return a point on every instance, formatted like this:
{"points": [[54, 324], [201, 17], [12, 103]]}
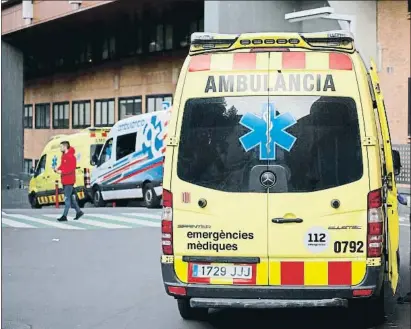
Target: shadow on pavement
{"points": [[284, 319]]}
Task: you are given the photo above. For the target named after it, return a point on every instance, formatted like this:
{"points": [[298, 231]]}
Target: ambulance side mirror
{"points": [[397, 162]]}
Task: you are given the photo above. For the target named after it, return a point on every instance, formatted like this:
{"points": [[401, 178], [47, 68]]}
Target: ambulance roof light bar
{"points": [[205, 42]]}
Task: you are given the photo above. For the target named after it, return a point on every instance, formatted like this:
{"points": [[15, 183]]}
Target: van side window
{"points": [[41, 166], [106, 153], [126, 144]]}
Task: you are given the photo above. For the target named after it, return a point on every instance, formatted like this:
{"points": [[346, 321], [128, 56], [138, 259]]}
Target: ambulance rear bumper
{"points": [[266, 303], [271, 296]]}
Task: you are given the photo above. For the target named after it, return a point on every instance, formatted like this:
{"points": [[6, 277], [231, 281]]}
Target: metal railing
{"points": [[405, 175]]}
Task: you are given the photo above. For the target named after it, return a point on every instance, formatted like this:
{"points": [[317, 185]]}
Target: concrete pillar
{"points": [[12, 102]]}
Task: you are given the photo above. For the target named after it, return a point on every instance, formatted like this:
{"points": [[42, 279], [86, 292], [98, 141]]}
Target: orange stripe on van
{"points": [[293, 60], [244, 61], [339, 61], [200, 63]]}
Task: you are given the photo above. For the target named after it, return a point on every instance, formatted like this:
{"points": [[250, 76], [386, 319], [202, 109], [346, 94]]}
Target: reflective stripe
{"points": [[291, 60]]}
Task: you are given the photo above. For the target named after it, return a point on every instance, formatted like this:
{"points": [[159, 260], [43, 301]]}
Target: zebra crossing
{"points": [[120, 220], [88, 221]]}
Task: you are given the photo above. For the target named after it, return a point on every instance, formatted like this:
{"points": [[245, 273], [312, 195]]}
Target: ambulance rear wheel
{"points": [[189, 313], [33, 201], [151, 200], [98, 200], [370, 310]]}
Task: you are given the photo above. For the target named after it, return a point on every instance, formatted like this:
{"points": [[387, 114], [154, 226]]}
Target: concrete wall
{"points": [[12, 114], [248, 16], [268, 16]]}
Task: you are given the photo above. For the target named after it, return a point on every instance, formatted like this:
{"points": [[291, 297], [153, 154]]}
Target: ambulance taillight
{"points": [[375, 224], [167, 223]]}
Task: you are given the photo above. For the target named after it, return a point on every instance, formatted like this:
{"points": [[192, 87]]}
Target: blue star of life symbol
{"points": [[54, 162], [267, 132]]}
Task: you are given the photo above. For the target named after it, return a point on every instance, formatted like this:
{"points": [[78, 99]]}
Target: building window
{"points": [[155, 102], [129, 106], [104, 112], [42, 113], [28, 116], [61, 115], [81, 114], [109, 48], [161, 38], [28, 166]]}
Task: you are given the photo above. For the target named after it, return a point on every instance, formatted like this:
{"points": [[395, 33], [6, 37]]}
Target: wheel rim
{"points": [[149, 196]]}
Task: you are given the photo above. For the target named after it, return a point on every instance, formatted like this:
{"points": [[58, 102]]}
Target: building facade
{"points": [[91, 63]]}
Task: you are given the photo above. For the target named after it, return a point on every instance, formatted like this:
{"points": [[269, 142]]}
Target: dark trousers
{"points": [[70, 199]]}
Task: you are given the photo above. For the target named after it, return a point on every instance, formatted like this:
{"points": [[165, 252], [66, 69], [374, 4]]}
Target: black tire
{"points": [[98, 200], [33, 201], [370, 310], [151, 200], [189, 313]]}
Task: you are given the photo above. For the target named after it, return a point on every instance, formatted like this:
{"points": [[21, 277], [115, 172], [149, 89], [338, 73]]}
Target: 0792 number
{"points": [[348, 246]]}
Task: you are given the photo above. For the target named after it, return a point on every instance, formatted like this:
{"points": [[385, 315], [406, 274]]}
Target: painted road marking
{"points": [[45, 222], [144, 215], [12, 223], [125, 219], [93, 222]]}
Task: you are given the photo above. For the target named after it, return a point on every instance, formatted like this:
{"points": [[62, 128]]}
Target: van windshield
{"points": [[314, 140], [95, 149]]}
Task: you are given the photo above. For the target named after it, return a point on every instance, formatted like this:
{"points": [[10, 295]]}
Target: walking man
{"points": [[67, 170]]}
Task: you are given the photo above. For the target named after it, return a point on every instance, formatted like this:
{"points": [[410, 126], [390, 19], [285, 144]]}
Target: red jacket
{"points": [[68, 166]]}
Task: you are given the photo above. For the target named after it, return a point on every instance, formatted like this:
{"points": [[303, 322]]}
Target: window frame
{"points": [[157, 96], [78, 102], [36, 106], [126, 99], [59, 119], [117, 145], [103, 149], [102, 100], [26, 161], [27, 123]]}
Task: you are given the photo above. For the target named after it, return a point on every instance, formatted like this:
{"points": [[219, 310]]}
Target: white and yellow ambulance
{"points": [[42, 188], [279, 177]]}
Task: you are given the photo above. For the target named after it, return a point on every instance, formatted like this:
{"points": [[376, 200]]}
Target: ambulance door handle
{"points": [[286, 220]]}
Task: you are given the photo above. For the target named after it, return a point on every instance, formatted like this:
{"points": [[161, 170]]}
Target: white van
{"points": [[130, 165]]}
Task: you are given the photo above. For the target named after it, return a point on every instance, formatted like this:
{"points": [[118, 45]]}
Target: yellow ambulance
{"points": [[42, 188], [279, 177]]}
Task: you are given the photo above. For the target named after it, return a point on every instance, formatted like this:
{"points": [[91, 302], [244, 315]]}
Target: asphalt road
{"points": [[110, 279]]}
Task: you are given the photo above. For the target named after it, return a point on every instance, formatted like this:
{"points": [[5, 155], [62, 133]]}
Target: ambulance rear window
{"points": [[315, 141]]}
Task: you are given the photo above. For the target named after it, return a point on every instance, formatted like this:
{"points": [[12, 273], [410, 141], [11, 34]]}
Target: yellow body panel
{"points": [[278, 247]]}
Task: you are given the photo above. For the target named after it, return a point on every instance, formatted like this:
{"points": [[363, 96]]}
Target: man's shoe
{"points": [[79, 215], [62, 219]]}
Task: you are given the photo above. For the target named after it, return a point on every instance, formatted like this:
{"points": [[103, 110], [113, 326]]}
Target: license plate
{"points": [[222, 271]]}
